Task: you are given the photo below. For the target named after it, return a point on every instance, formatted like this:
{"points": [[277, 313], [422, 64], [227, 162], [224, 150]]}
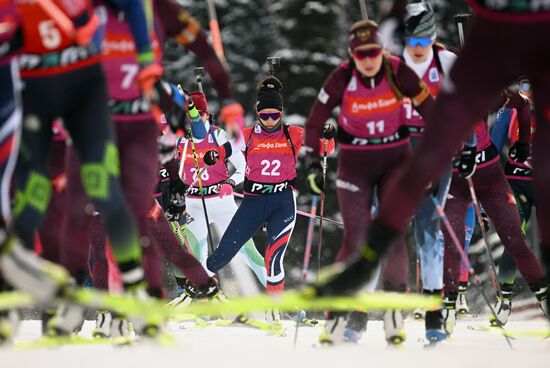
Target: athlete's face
{"points": [[270, 117], [419, 53], [368, 59]]}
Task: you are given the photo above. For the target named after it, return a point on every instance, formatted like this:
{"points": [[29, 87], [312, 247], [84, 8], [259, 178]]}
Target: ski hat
{"points": [[420, 21], [199, 99], [361, 33], [269, 96]]}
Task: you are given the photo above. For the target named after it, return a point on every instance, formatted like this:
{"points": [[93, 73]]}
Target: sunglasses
{"points": [[272, 115], [370, 53], [526, 86], [418, 41]]}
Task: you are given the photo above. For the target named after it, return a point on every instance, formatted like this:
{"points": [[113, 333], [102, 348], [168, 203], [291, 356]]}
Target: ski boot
{"points": [[503, 306], [461, 304], [333, 333], [394, 328], [102, 329], [543, 295], [121, 330], [28, 272], [356, 326], [46, 315], [68, 320], [435, 330], [449, 313], [9, 320]]}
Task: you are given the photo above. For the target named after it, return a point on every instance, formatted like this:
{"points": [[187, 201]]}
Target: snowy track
{"points": [[241, 347]]}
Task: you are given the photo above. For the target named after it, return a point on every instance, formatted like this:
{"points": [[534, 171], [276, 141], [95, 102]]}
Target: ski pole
{"points": [[492, 265], [215, 31], [309, 237], [363, 7], [466, 261], [322, 205]]}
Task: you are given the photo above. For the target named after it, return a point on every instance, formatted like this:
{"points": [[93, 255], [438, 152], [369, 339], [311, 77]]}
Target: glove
{"points": [[466, 162], [226, 188], [178, 187], [209, 291], [173, 104], [315, 181], [167, 147], [148, 77], [329, 132], [519, 152], [176, 208], [211, 157]]}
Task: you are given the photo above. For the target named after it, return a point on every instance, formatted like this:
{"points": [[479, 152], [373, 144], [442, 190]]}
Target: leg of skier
{"points": [[244, 224], [455, 208], [541, 157], [280, 224], [221, 215], [497, 199], [523, 193]]}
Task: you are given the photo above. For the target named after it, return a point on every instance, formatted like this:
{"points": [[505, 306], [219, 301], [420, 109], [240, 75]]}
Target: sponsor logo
{"points": [[433, 75], [323, 96], [69, 56], [347, 186], [352, 85], [258, 188]]}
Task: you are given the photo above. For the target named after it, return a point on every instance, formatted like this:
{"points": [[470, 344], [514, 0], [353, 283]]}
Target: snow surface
{"points": [[242, 347]]}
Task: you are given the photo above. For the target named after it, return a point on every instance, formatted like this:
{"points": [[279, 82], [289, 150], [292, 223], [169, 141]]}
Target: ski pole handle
{"points": [[199, 76], [461, 21], [273, 62]]}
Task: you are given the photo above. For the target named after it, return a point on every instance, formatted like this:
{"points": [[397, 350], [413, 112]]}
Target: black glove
{"points": [[315, 180], [176, 207], [211, 157], [465, 163], [178, 187], [209, 291], [519, 152], [329, 132]]}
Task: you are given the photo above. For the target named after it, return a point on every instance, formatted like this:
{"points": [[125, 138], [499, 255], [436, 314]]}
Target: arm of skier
{"points": [[328, 98], [236, 158], [140, 26], [521, 150]]}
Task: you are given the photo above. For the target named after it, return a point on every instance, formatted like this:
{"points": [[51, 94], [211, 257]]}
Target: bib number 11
{"points": [[375, 127]]}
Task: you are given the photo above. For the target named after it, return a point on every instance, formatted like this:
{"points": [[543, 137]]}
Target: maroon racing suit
{"points": [[374, 143], [499, 203]]}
